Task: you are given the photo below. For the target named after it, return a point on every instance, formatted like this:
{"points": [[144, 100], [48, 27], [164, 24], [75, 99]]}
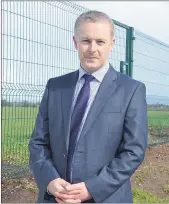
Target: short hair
{"points": [[94, 16]]}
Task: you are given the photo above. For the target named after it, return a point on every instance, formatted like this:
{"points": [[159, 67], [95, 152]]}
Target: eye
{"points": [[100, 42], [85, 41]]}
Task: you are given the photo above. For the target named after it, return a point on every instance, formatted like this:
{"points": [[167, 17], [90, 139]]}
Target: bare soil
{"points": [[152, 176]]}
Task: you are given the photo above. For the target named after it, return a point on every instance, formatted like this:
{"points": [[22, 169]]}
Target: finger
{"points": [[68, 201], [61, 189], [64, 188], [64, 183], [74, 192], [73, 187], [59, 200], [72, 201], [64, 196]]}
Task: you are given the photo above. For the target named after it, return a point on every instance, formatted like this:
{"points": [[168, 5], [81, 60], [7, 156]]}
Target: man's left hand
{"points": [[75, 191]]}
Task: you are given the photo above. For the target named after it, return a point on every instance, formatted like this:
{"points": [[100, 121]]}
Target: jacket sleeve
{"points": [[131, 151], [39, 147]]}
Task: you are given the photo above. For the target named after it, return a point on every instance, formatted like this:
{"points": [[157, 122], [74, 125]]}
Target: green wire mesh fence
{"points": [[37, 45], [151, 66]]}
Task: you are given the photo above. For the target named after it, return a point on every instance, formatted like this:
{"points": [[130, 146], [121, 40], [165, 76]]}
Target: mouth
{"points": [[92, 58]]}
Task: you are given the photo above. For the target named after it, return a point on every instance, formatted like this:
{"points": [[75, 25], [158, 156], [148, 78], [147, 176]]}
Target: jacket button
{"points": [[64, 156]]}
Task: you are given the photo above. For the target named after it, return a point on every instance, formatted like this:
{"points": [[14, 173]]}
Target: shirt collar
{"points": [[99, 74]]}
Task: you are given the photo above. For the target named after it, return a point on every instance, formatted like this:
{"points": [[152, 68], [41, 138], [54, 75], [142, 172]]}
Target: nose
{"points": [[92, 47]]}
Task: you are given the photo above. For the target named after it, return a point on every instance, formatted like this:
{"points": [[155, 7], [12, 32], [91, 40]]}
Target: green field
{"points": [[158, 118], [18, 123], [17, 126]]}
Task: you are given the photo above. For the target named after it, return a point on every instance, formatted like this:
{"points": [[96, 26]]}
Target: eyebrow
{"points": [[99, 39]]}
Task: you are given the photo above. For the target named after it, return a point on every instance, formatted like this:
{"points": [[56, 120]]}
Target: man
{"points": [[91, 129]]}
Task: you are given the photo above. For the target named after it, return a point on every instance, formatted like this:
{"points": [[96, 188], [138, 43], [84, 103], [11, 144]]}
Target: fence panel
{"points": [[151, 66], [36, 45]]}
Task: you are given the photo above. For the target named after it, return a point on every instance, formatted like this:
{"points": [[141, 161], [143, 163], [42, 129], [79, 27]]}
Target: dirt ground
{"points": [[152, 176]]}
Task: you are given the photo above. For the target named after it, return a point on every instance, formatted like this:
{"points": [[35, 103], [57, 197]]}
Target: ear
{"points": [[112, 44], [75, 42]]}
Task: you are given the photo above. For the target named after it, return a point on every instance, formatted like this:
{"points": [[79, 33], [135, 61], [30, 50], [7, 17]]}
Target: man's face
{"points": [[94, 43]]}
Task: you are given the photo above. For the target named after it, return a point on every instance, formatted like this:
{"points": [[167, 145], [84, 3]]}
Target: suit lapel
{"points": [[67, 94], [107, 88]]}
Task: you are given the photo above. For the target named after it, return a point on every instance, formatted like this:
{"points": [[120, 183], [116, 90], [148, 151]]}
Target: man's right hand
{"points": [[58, 185]]}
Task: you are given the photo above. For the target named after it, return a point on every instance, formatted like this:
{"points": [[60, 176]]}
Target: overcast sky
{"points": [[149, 17]]}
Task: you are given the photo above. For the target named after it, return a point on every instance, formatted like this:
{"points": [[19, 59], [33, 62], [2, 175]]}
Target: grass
{"points": [[158, 118], [150, 173], [141, 175], [142, 196], [166, 189], [18, 123], [17, 126]]}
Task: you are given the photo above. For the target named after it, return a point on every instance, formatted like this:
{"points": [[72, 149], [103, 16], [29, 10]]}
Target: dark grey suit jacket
{"points": [[112, 143]]}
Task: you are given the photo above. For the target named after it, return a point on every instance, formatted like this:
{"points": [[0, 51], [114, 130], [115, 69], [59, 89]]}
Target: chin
{"points": [[92, 67]]}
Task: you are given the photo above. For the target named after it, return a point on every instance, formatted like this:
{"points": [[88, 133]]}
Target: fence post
{"points": [[129, 50]]}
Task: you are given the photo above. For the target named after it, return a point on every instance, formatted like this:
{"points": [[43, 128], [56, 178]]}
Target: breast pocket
{"points": [[113, 115]]}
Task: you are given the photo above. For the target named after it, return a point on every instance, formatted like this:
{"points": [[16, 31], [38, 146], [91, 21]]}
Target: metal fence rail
{"points": [[37, 45]]}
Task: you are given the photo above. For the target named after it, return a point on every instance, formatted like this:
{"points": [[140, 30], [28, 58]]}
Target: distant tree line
{"points": [[24, 103], [158, 106]]}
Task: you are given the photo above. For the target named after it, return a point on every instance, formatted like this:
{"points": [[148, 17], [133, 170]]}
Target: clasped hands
{"points": [[65, 192]]}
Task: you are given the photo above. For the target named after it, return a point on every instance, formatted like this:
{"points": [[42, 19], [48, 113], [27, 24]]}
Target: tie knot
{"points": [[88, 78]]}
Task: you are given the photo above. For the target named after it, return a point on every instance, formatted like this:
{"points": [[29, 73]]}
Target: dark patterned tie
{"points": [[76, 120]]}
